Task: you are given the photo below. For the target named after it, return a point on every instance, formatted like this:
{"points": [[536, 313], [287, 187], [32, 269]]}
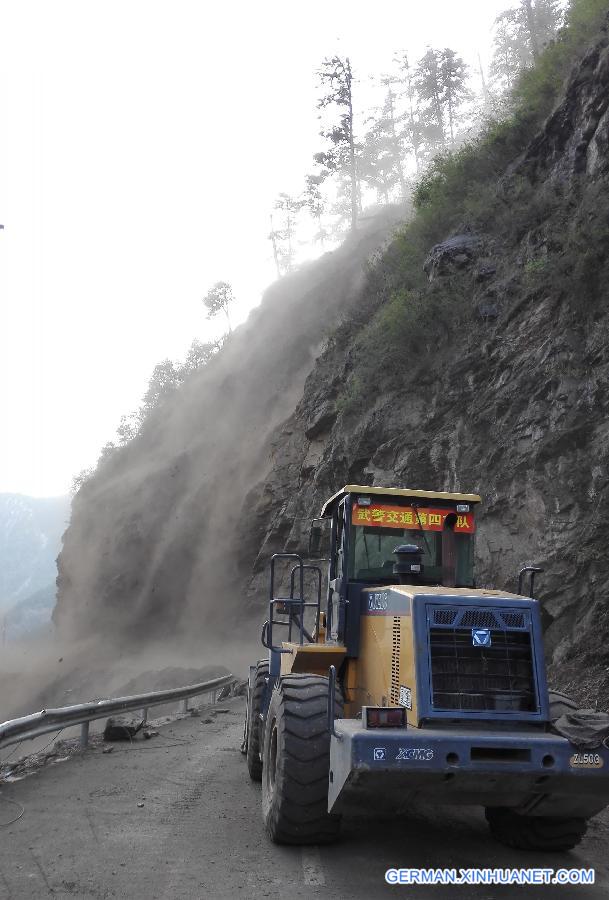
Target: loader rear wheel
{"points": [[253, 743], [561, 705], [297, 762], [534, 832]]}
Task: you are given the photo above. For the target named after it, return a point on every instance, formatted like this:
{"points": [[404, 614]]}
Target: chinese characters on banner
{"points": [[384, 516]]}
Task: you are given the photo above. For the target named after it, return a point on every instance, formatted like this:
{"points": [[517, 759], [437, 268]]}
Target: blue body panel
{"points": [[527, 769]]}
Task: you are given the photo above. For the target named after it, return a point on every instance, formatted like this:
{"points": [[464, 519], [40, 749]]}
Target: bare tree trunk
{"points": [[289, 235], [485, 93], [440, 121], [396, 144], [352, 151], [506, 61], [437, 105], [528, 4], [415, 141], [450, 118], [273, 238]]}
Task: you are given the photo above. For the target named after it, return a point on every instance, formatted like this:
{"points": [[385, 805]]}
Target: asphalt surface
{"points": [[178, 817]]}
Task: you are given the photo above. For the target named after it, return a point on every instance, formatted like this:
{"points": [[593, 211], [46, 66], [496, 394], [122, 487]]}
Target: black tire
{"points": [[296, 765], [561, 705], [253, 725], [534, 832]]}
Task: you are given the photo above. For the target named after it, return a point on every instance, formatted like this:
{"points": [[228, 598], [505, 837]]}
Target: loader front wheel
{"points": [[253, 729], [296, 765], [534, 832]]}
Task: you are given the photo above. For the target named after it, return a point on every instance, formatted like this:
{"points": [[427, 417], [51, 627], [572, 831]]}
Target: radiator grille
{"points": [[444, 616], [513, 620], [499, 677], [478, 618], [395, 662]]}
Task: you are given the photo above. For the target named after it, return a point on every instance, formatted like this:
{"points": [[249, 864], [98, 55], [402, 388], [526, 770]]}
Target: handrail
{"points": [[15, 730], [273, 599]]}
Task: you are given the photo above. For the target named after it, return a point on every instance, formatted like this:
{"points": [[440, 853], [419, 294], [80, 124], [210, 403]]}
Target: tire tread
{"points": [[253, 747], [297, 811], [535, 832]]}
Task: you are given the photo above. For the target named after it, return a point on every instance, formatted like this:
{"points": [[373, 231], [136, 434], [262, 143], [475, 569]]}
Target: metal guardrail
{"points": [[47, 720]]}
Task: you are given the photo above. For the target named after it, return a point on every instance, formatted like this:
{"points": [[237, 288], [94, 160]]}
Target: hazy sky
{"points": [[142, 144]]}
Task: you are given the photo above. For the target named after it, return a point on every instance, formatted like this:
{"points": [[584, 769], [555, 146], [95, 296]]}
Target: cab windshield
{"points": [[372, 555]]}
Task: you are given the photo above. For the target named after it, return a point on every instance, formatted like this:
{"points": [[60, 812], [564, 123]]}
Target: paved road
{"points": [[199, 833]]}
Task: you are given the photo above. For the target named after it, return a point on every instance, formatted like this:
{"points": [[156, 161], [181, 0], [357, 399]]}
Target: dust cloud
{"points": [[45, 674], [150, 574]]}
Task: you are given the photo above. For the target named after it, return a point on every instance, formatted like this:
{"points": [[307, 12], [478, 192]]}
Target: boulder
{"points": [[451, 255], [122, 728], [322, 420]]}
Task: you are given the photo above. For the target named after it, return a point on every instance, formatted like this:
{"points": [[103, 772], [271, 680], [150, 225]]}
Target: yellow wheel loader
{"points": [[409, 682]]}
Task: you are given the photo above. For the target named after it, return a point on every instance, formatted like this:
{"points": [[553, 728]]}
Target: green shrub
{"points": [[453, 180], [406, 318]]}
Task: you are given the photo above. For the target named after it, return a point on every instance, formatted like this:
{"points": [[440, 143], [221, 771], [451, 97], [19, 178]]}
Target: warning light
{"points": [[384, 717]]}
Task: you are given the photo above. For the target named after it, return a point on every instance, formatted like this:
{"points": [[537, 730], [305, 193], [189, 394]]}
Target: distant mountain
{"points": [[30, 539], [30, 617]]}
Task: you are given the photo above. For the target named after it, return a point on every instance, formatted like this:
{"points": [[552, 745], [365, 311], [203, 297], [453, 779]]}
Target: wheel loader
{"points": [[408, 682]]}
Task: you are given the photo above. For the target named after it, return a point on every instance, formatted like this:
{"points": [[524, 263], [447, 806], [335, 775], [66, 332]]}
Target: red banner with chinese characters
{"points": [[383, 515]]}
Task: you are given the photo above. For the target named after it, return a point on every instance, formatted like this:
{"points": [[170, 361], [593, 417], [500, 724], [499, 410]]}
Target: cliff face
{"points": [[509, 400], [513, 404]]}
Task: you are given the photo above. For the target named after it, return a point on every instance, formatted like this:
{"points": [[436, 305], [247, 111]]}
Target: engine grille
{"points": [[499, 677]]}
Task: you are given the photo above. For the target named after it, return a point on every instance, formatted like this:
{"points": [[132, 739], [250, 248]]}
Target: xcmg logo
{"points": [[415, 753], [481, 637]]}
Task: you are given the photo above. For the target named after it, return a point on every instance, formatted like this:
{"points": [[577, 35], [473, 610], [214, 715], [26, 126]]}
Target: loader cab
{"points": [[367, 526]]}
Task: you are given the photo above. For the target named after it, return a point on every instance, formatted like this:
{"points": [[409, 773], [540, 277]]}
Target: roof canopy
{"points": [[366, 489]]}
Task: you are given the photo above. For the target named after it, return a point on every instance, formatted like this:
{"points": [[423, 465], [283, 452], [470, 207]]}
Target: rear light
{"points": [[384, 717]]}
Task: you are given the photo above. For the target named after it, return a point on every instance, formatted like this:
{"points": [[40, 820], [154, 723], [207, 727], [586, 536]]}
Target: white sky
{"points": [[142, 145]]}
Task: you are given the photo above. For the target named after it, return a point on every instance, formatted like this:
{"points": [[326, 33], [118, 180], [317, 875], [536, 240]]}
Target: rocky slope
{"points": [[513, 404], [504, 392]]}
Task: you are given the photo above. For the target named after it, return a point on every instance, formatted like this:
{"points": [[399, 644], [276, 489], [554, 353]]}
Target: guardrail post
{"points": [[145, 715], [84, 735], [185, 705]]}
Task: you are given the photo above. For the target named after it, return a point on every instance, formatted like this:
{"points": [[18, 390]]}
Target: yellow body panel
{"points": [[373, 678], [313, 658], [386, 662]]}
